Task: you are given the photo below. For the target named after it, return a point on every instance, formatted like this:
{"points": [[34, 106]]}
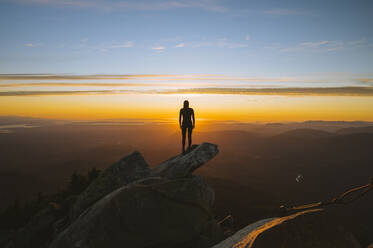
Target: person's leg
{"points": [[183, 133], [189, 137]]}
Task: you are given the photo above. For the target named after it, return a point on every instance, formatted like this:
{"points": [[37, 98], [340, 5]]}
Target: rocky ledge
{"points": [[131, 205]]}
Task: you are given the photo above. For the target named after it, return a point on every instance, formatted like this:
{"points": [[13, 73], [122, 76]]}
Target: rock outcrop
{"points": [[130, 205], [154, 212], [129, 169], [183, 165], [306, 229]]}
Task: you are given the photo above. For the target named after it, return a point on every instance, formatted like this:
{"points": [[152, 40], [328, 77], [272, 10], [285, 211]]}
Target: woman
{"points": [[187, 114]]}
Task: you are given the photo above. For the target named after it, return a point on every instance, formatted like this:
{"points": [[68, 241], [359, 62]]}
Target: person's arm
{"points": [[194, 121], [180, 118]]}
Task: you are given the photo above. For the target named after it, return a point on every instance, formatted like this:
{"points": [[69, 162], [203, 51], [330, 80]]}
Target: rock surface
{"points": [[183, 165], [153, 212], [126, 170], [6, 236], [130, 205], [240, 235], [306, 229], [34, 233]]}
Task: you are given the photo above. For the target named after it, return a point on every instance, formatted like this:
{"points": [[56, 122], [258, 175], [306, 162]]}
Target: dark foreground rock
{"points": [[6, 236], [126, 170], [183, 165], [37, 231], [153, 212], [130, 205], [306, 229]]}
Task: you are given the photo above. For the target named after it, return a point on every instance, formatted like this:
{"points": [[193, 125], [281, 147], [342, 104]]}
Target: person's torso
{"points": [[187, 116]]}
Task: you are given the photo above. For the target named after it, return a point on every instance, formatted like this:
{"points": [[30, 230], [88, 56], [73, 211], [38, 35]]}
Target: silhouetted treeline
{"points": [[18, 214]]}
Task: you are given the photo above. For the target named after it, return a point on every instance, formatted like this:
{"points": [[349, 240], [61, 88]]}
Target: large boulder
{"points": [[123, 172], [306, 229], [153, 212], [183, 165]]}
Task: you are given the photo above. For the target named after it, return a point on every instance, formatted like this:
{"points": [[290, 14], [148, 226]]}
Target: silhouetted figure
{"points": [[186, 124]]}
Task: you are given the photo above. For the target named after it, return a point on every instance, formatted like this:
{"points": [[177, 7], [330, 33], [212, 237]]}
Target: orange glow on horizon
{"points": [[211, 107]]}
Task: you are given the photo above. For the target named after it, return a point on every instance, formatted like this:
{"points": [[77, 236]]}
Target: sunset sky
{"points": [[234, 60]]}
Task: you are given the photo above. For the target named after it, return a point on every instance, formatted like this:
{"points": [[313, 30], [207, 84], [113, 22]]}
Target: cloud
{"points": [[9, 82], [143, 5], [358, 42], [315, 44], [368, 81], [126, 44], [17, 85], [180, 45], [189, 77], [355, 44], [324, 45], [280, 11], [70, 92], [34, 84], [158, 49], [30, 44], [96, 77], [247, 37], [106, 47], [331, 91]]}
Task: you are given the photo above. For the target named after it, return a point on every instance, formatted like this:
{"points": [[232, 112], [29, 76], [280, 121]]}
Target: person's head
{"points": [[186, 104]]}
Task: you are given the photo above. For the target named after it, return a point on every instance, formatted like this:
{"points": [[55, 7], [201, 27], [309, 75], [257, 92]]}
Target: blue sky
{"points": [[251, 38]]}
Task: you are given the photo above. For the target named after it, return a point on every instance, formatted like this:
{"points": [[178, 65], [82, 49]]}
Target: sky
{"points": [[237, 38], [159, 98], [234, 60]]}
